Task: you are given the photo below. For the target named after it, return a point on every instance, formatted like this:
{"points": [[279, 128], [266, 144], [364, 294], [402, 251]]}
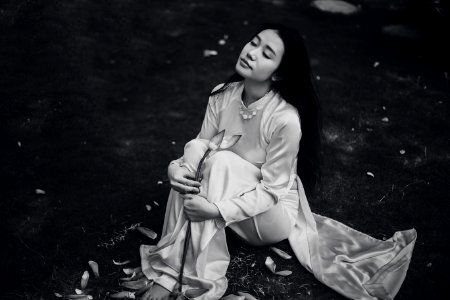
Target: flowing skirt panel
{"points": [[354, 264]]}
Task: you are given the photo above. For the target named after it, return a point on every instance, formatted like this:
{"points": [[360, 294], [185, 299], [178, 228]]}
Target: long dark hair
{"points": [[296, 87]]}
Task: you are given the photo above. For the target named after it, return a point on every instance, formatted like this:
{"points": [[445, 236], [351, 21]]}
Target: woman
{"points": [[254, 189]]}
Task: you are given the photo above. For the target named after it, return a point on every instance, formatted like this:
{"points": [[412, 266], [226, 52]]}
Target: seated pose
{"points": [[257, 186]]}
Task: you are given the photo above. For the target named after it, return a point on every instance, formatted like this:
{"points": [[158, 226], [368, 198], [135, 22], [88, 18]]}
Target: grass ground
{"points": [[98, 96]]}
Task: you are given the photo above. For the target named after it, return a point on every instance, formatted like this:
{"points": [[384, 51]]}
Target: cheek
{"points": [[266, 70]]}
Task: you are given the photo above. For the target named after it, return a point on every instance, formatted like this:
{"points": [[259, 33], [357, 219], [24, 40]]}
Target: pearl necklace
{"points": [[248, 113]]}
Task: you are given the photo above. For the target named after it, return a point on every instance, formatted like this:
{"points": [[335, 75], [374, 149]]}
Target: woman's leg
{"points": [[225, 176], [272, 226]]}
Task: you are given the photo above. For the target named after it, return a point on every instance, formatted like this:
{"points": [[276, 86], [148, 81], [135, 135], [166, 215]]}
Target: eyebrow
{"points": [[267, 46]]}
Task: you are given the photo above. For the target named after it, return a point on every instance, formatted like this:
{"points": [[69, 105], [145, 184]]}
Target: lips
{"points": [[245, 63]]}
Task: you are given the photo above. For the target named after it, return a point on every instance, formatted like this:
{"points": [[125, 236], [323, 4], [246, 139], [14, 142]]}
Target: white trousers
{"points": [[352, 263]]}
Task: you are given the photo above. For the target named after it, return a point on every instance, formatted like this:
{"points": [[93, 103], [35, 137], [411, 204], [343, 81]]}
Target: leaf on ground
{"points": [[247, 296], [94, 267], [270, 264], [84, 280], [123, 295], [147, 232], [78, 291], [121, 263], [280, 253], [156, 203], [58, 295], [370, 174], [148, 207]]}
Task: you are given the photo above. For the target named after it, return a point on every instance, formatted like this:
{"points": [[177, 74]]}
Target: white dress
{"points": [[258, 173]]}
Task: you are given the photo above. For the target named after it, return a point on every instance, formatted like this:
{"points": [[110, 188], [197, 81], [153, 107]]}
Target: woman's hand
{"points": [[181, 180], [198, 209]]}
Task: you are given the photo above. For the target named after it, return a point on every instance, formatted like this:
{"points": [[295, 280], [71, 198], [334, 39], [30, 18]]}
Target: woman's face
{"points": [[260, 57]]}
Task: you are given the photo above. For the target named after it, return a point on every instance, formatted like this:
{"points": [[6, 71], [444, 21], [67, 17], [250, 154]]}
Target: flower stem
{"points": [[188, 230]]}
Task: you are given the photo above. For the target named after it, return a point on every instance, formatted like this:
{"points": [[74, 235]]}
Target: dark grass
{"points": [[102, 95]]}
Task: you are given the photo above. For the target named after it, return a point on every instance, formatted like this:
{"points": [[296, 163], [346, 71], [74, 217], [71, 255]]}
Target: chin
{"points": [[241, 71]]}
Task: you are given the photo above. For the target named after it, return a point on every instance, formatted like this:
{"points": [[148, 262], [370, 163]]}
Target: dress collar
{"points": [[258, 103]]}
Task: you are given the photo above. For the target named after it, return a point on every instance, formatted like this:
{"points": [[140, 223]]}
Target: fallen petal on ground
{"points": [[123, 295], [284, 273], [335, 6], [94, 267], [84, 280], [247, 296], [39, 192], [147, 232], [137, 284], [120, 263], [280, 253], [233, 297]]}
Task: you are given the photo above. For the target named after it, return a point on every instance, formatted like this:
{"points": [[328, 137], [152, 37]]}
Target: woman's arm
{"points": [[180, 178], [276, 172]]}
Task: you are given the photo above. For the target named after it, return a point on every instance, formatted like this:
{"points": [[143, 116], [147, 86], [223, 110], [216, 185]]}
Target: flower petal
{"points": [[281, 253], [120, 263], [147, 232], [247, 296], [233, 297], [78, 297], [229, 141], [84, 280], [216, 140], [136, 285], [284, 273], [130, 271], [94, 267], [270, 264], [123, 295]]}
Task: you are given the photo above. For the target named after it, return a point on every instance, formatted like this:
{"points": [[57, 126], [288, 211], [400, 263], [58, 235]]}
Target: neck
{"points": [[254, 90]]}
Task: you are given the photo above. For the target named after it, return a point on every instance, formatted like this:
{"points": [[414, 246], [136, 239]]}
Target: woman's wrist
{"points": [[216, 211]]}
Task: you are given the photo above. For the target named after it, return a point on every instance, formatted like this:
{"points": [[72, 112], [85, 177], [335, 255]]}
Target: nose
{"points": [[251, 54]]}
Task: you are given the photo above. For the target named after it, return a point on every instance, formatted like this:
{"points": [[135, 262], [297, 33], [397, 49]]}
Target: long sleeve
{"points": [[281, 152], [210, 123]]}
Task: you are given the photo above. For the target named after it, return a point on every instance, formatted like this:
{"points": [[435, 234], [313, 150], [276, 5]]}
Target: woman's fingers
{"points": [[186, 196], [179, 187], [189, 182]]}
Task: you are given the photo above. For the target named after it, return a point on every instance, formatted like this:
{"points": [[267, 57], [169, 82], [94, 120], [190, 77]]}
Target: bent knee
{"points": [[223, 157], [193, 153]]}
